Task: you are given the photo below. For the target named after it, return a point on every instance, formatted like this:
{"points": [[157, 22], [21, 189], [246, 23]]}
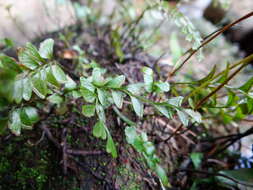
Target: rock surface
{"points": [[23, 20]]}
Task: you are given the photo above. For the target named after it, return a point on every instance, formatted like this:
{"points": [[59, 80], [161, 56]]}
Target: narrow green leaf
{"points": [[224, 75], [116, 82], [247, 86], [27, 88], [46, 48], [88, 110], [117, 97], [59, 74], [231, 98], [209, 76], [99, 130], [116, 42], [137, 105]]}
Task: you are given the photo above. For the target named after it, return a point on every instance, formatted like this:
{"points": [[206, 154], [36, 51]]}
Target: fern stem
{"points": [[209, 39], [245, 61]]}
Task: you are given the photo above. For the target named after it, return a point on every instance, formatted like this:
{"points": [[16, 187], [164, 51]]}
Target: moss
{"points": [[24, 167], [127, 179]]}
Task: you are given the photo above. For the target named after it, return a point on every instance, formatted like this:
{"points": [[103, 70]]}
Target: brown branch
{"points": [[174, 133], [84, 153], [64, 150], [214, 174], [50, 136]]}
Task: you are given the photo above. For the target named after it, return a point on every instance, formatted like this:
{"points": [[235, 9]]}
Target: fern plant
{"points": [[38, 77]]}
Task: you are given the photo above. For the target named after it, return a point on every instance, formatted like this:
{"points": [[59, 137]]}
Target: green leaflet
{"points": [[88, 110], [135, 88], [176, 101], [86, 83], [194, 115], [100, 112], [27, 88], [162, 175], [59, 74], [148, 78], [39, 86], [88, 95], [167, 112], [110, 146], [137, 105], [29, 116], [116, 82], [102, 97], [46, 48], [29, 56], [18, 90], [70, 84], [183, 117], [162, 86], [15, 123], [55, 99], [149, 148], [51, 78], [117, 97], [99, 130], [142, 145], [97, 77], [10, 63]]}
